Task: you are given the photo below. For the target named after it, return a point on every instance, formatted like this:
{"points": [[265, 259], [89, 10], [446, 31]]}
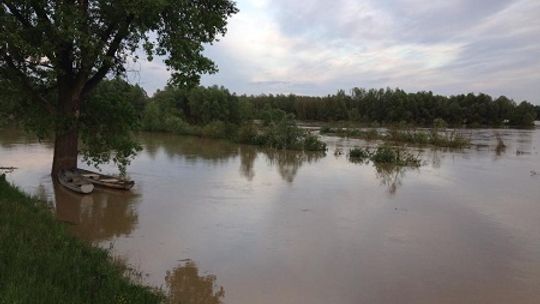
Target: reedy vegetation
{"points": [[437, 136]]}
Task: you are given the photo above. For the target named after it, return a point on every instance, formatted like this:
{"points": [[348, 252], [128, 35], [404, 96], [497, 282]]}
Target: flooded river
{"points": [[214, 222]]}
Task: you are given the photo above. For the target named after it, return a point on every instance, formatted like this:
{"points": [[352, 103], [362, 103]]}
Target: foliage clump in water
{"points": [[385, 154], [437, 136]]}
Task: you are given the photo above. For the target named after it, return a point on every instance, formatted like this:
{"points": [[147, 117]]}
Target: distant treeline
{"points": [[215, 107], [204, 105], [389, 106]]}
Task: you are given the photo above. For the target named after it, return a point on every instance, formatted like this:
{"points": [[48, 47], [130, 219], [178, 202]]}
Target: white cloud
{"points": [[317, 47]]}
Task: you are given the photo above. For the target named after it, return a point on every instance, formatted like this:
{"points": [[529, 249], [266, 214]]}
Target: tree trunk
{"points": [[66, 143], [65, 150]]}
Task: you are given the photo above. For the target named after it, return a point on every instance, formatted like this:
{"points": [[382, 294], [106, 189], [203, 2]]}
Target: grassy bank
{"points": [[41, 263]]}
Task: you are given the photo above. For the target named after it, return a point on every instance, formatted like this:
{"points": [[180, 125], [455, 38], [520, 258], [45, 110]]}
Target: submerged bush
{"points": [[217, 129], [279, 131], [312, 143], [397, 156], [247, 134], [284, 134], [370, 134], [385, 155], [325, 130], [435, 136], [359, 155]]}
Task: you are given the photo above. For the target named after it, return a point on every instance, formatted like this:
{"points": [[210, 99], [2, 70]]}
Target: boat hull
{"points": [[70, 180], [107, 181]]}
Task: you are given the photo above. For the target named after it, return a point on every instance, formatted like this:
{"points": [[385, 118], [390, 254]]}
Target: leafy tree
{"points": [[524, 115], [54, 54], [198, 106], [104, 137]]}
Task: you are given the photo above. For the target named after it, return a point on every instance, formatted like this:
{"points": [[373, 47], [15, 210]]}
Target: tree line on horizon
{"points": [[390, 106], [205, 105]]}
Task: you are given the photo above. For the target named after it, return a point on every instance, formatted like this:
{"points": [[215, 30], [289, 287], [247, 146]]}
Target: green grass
{"points": [[40, 262]]}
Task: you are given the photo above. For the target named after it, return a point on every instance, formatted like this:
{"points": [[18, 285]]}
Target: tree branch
{"points": [[13, 10], [26, 83], [42, 15], [109, 57]]}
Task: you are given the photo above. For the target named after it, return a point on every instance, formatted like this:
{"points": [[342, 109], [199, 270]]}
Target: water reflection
{"points": [[289, 162], [99, 216], [462, 229], [247, 160], [41, 193], [190, 148], [218, 152], [186, 285], [12, 137], [391, 176]]}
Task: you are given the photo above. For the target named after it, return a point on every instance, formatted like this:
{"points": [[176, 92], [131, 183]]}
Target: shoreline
{"points": [[41, 260]]}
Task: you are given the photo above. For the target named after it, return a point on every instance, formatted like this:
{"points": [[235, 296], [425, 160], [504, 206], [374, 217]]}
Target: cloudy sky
{"points": [[316, 47]]}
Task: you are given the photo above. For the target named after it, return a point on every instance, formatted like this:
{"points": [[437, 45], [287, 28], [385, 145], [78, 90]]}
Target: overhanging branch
{"points": [[26, 83], [109, 58], [13, 10]]}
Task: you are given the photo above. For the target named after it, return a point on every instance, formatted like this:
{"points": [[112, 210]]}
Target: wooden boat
{"points": [[103, 180], [75, 182]]}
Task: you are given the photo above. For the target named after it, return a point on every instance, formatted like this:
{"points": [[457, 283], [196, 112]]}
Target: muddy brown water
{"points": [[214, 222]]}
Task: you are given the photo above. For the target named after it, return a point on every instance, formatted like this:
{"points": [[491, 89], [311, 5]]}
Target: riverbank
{"points": [[40, 261]]}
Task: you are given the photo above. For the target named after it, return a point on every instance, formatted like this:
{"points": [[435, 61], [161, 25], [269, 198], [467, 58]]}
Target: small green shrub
{"points": [[175, 124], [247, 134], [359, 155], [371, 134], [215, 129], [396, 156], [312, 143], [325, 130], [385, 155]]}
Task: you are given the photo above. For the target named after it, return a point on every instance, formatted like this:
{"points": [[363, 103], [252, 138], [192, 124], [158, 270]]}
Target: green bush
{"points": [[247, 134], [215, 129], [176, 125], [385, 155], [359, 154], [312, 143], [396, 156], [325, 130]]}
